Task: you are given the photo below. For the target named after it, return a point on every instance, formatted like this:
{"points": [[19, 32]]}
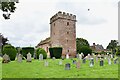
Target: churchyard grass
{"points": [[36, 69]]}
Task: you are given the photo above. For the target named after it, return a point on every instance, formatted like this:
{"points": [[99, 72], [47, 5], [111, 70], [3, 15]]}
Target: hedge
{"points": [[26, 50], [41, 51], [10, 50], [55, 52]]}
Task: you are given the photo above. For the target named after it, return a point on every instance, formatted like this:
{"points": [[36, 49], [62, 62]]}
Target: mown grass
{"points": [[36, 69]]}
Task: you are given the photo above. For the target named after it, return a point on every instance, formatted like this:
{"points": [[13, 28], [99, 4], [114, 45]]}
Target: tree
{"points": [[41, 51], [80, 42], [7, 7], [85, 50], [112, 45], [3, 40]]}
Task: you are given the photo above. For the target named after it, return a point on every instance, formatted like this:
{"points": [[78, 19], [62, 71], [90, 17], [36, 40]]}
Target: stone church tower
{"points": [[63, 32]]}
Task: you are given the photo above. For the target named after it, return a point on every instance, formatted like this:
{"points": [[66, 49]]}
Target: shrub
{"points": [[26, 50], [118, 52], [55, 52], [85, 50], [41, 51], [10, 50]]}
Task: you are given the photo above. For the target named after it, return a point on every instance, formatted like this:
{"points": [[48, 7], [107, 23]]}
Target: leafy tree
{"points": [[112, 45], [41, 51], [85, 50], [7, 7], [80, 42]]}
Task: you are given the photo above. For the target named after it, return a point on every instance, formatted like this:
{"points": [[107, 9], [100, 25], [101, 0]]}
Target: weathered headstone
{"points": [[84, 60], [101, 62], [88, 56], [67, 66], [116, 61], [91, 62], [46, 63], [78, 64], [53, 58], [29, 59], [6, 58], [74, 61], [109, 61], [60, 62], [19, 58], [40, 56], [67, 56], [80, 57], [77, 55]]}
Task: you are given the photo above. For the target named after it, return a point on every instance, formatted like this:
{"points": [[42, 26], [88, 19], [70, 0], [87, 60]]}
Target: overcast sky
{"points": [[30, 22]]}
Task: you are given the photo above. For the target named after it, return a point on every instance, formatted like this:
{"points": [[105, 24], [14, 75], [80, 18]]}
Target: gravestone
{"points": [[60, 62], [74, 61], [116, 61], [88, 56], [77, 56], [29, 59], [63, 57], [78, 64], [109, 61], [67, 66], [96, 58], [84, 60], [53, 58], [91, 62], [19, 58], [67, 56], [6, 58], [101, 62], [40, 56], [80, 57], [46, 63]]}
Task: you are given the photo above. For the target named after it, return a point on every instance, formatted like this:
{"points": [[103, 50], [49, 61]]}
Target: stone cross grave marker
{"points": [[40, 56], [67, 66], [46, 63], [101, 62], [78, 64], [6, 58], [19, 58], [29, 59]]}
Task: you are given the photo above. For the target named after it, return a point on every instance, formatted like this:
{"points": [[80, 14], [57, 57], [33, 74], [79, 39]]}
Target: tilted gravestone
{"points": [[6, 58], [46, 63], [78, 64], [29, 59], [40, 56], [67, 66], [19, 58], [101, 62], [84, 60]]}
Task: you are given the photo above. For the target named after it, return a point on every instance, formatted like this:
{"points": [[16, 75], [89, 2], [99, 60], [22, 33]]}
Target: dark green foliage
{"points": [[10, 50], [26, 50], [85, 50], [41, 51], [102, 52], [118, 51], [80, 42], [55, 52]]}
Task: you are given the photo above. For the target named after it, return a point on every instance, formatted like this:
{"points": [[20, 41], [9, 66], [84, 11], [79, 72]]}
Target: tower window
{"points": [[67, 40], [67, 32], [67, 23], [54, 33], [54, 24], [68, 50]]}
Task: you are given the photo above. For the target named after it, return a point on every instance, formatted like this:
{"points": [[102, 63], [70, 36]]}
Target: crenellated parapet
{"points": [[63, 15]]}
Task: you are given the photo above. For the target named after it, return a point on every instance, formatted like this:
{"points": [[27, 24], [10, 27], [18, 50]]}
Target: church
{"points": [[62, 34]]}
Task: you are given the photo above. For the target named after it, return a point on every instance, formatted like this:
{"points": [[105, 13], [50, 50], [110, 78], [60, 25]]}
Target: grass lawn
{"points": [[36, 69]]}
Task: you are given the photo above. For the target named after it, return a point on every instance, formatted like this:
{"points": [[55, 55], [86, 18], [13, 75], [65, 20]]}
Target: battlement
{"points": [[62, 15]]}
